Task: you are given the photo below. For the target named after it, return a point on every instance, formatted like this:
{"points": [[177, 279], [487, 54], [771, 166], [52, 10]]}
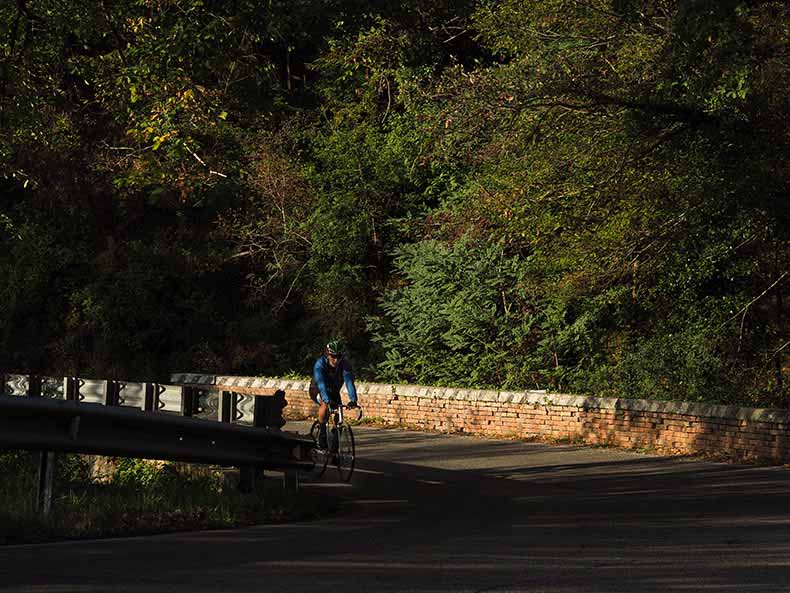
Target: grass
{"points": [[136, 498]]}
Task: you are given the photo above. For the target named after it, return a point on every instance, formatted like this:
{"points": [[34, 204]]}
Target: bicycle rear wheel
{"points": [[346, 452], [319, 459]]}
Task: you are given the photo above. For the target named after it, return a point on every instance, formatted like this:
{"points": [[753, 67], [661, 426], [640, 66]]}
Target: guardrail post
{"points": [[189, 401], [111, 393], [259, 412], [72, 388], [46, 459], [227, 406], [34, 386], [46, 481], [120, 386], [152, 393]]}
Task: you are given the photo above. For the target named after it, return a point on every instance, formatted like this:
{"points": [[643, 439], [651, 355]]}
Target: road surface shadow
{"points": [[529, 519]]}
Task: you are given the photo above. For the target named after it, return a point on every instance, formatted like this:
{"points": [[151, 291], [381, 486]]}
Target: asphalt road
{"points": [[433, 513]]}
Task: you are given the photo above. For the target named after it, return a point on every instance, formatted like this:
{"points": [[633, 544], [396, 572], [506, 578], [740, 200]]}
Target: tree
{"points": [[622, 150]]}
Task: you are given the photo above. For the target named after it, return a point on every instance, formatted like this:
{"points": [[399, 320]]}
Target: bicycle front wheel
{"points": [[346, 452], [319, 460]]}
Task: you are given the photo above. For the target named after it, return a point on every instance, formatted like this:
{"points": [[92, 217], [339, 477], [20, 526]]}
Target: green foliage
{"points": [[138, 472], [606, 154], [20, 484], [142, 497], [586, 196], [452, 322], [688, 365]]}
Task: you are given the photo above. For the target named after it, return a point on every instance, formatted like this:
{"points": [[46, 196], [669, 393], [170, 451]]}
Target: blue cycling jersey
{"points": [[329, 380]]}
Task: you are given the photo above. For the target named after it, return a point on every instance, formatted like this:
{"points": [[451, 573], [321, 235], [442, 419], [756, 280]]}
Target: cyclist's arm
{"points": [[319, 376], [348, 377]]}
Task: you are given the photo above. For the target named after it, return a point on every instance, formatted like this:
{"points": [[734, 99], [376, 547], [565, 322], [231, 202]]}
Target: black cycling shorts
{"points": [[315, 395]]}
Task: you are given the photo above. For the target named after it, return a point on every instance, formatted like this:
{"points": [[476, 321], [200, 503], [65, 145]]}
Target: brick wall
{"points": [[668, 427]]}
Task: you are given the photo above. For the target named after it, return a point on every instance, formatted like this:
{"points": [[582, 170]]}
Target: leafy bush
{"points": [[139, 472], [140, 497], [456, 319]]}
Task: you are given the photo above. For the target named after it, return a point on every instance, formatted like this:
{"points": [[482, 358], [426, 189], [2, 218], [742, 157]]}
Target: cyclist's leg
{"points": [[333, 405], [323, 418], [323, 414]]}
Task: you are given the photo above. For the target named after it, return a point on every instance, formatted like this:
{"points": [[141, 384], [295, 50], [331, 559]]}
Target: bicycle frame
{"points": [[336, 421], [337, 415]]}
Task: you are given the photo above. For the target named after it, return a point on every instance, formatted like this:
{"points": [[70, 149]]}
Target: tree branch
{"points": [[680, 111], [22, 7], [118, 37], [754, 300]]}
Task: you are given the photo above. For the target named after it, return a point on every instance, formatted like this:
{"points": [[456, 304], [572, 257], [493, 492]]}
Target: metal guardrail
{"points": [[146, 420], [201, 401], [70, 426]]}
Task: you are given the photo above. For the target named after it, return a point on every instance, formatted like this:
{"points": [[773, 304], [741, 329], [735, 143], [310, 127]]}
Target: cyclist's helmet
{"points": [[336, 348]]}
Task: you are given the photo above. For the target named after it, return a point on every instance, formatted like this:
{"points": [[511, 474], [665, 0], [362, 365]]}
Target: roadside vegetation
{"points": [[137, 497], [586, 196]]}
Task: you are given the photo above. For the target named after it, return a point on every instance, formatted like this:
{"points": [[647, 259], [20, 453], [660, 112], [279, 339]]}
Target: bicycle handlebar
{"points": [[345, 407]]}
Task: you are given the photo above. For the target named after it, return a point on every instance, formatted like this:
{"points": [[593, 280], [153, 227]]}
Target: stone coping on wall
{"points": [[528, 397]]}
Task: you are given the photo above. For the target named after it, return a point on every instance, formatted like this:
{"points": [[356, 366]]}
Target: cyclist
{"points": [[330, 371]]}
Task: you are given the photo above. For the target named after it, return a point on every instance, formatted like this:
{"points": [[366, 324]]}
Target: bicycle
{"points": [[341, 451]]}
